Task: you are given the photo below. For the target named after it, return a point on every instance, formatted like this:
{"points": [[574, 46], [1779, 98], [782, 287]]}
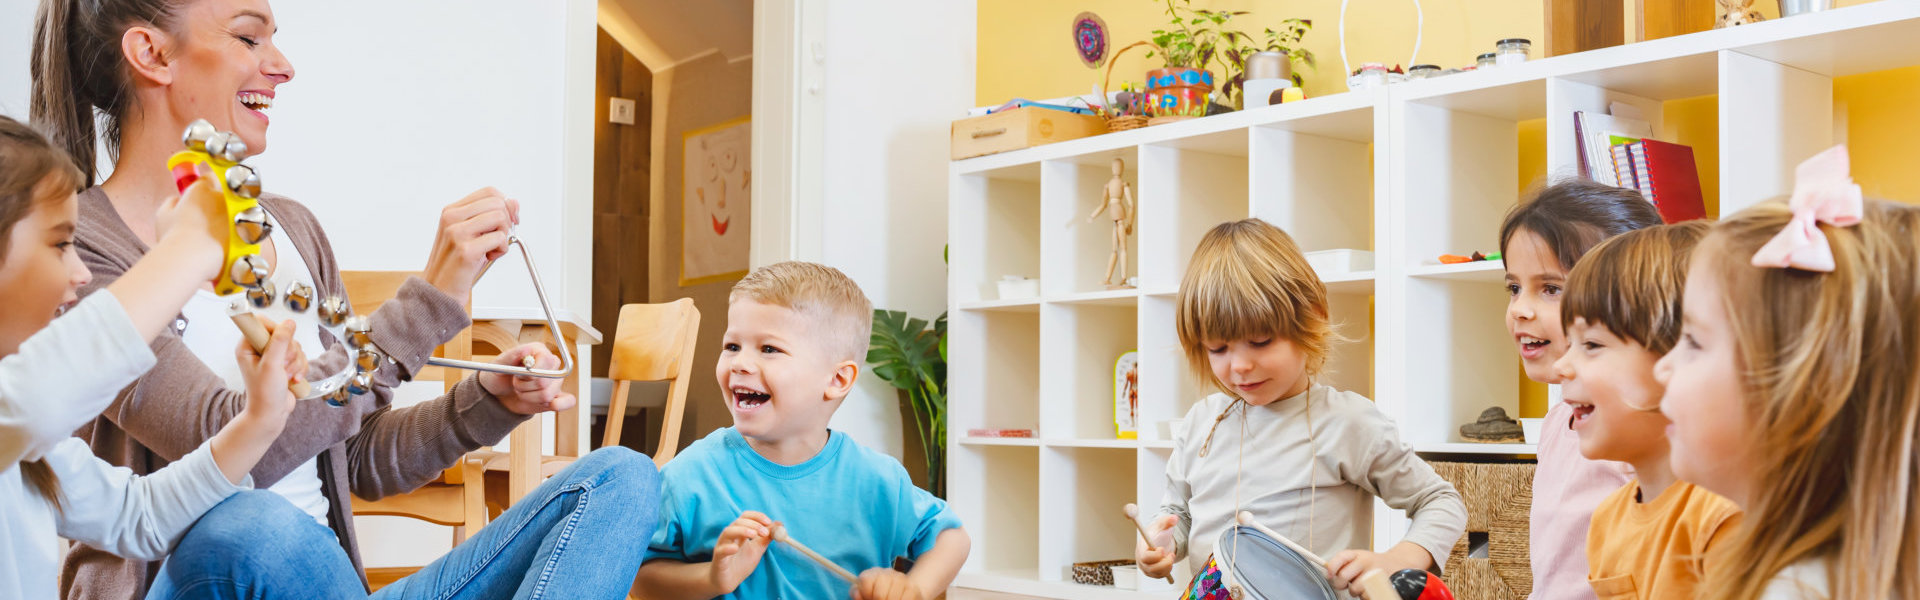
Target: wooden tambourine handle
{"points": [[257, 337]]}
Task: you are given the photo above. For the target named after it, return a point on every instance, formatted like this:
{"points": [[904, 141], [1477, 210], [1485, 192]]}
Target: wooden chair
{"points": [[652, 342], [457, 499]]}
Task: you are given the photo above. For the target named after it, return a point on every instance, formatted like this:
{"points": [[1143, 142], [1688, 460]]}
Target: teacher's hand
{"points": [[524, 394], [473, 232]]}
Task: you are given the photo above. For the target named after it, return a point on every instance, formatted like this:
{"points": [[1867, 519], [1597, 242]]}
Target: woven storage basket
{"points": [[1116, 122], [1498, 497], [1097, 573], [1123, 123]]}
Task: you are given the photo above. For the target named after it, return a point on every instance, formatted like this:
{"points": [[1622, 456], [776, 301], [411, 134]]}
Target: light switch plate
{"points": [[620, 110]]}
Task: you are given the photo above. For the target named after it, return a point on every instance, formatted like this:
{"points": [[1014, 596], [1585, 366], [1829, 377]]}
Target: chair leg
{"points": [[473, 499]]}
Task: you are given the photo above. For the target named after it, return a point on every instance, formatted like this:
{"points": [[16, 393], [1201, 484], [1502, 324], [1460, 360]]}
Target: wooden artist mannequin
{"points": [[1116, 199]]}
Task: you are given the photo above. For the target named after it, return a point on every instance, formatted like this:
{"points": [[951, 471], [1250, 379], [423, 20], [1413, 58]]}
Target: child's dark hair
{"points": [[1574, 215], [1632, 283], [31, 170]]}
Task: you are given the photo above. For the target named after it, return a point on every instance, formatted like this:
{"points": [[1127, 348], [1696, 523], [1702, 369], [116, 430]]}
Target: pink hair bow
{"points": [[1823, 192]]}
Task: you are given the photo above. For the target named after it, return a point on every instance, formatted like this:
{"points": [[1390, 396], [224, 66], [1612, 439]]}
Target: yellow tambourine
{"points": [[239, 186]]}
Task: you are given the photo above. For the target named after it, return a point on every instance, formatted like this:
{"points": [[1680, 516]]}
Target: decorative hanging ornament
{"points": [[1090, 39]]}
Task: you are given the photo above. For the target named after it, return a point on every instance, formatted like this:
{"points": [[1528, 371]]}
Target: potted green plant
{"points": [[911, 354], [1195, 39]]}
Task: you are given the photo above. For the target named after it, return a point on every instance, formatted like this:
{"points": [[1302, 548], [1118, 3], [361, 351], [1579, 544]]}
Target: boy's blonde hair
{"points": [[1831, 394], [1632, 283], [1247, 280], [840, 314]]}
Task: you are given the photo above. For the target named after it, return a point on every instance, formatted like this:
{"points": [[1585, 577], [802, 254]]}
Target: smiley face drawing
{"points": [[717, 178]]}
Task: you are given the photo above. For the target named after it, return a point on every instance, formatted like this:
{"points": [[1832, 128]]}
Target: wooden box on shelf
{"points": [[1020, 128]]}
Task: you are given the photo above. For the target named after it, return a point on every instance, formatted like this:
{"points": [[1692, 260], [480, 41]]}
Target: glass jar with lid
{"points": [[1512, 51], [1423, 71], [1486, 61]]}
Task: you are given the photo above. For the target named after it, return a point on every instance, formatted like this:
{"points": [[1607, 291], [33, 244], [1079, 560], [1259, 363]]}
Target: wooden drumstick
{"points": [[1133, 516], [1374, 583], [780, 535], [257, 337]]}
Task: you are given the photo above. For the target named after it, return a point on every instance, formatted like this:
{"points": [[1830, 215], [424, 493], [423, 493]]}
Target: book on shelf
{"points": [[1672, 181], [1623, 167], [1597, 134], [1643, 180], [1000, 433]]}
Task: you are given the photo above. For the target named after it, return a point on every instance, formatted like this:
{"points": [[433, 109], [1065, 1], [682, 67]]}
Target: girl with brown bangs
{"points": [[1650, 538], [1793, 391], [1540, 241], [1252, 318]]}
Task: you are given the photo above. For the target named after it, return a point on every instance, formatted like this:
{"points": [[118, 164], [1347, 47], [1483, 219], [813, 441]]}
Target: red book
{"points": [[1676, 182]]}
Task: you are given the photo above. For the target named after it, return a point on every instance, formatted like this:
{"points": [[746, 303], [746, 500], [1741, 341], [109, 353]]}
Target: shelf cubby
{"points": [[1002, 218], [1076, 399], [1080, 519], [1458, 351], [1188, 187], [994, 370], [1004, 518], [1076, 250], [1677, 96], [1318, 188], [1459, 159]]}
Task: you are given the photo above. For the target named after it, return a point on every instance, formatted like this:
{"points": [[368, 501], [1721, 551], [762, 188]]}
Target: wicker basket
{"points": [[1126, 122], [1097, 573], [1498, 498], [1117, 122]]}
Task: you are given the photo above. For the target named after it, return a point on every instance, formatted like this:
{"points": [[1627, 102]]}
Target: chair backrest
{"points": [[367, 290], [457, 499], [653, 342]]}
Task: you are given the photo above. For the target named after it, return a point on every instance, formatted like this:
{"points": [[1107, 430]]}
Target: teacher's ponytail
{"points": [[77, 67]]}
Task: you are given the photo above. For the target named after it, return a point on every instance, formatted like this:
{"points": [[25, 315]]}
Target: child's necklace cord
{"points": [[1208, 443], [1240, 461]]}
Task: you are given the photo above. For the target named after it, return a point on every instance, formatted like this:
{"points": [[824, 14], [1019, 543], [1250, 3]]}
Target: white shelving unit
{"points": [[1408, 172]]}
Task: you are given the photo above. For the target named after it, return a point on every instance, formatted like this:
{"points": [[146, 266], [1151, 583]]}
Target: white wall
{"points": [[398, 108], [16, 46], [896, 75], [390, 118]]}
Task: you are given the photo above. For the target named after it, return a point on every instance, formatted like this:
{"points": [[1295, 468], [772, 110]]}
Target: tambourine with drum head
{"points": [[249, 281]]}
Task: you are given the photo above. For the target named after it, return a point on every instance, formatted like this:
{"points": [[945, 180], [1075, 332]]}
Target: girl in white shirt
{"points": [[58, 374]]}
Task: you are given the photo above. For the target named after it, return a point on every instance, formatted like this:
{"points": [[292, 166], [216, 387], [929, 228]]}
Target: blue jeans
{"points": [[581, 534]]}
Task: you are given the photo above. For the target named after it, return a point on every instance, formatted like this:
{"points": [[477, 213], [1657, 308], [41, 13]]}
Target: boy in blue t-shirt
{"points": [[796, 333]]}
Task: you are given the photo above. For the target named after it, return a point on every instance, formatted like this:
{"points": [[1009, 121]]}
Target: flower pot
{"points": [[1269, 65], [1790, 8], [1178, 91]]}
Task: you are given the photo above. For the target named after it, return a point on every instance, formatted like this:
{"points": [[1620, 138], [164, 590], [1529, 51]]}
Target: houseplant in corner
{"points": [[911, 354], [1194, 39]]}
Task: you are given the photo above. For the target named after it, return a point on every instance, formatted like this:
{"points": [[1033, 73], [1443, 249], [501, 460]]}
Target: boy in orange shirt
{"points": [[1622, 313]]}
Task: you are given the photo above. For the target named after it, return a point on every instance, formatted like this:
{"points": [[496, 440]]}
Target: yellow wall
{"points": [[1882, 133], [1026, 48]]}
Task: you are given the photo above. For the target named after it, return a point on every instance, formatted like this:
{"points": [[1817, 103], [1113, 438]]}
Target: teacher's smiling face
{"points": [[220, 64]]}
